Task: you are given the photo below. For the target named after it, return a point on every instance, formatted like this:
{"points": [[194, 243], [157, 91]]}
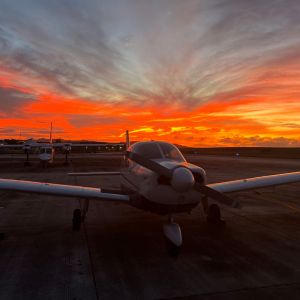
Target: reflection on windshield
{"points": [[149, 150], [170, 151]]}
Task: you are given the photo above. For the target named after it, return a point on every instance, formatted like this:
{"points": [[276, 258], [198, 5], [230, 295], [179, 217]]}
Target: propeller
{"points": [[182, 179]]}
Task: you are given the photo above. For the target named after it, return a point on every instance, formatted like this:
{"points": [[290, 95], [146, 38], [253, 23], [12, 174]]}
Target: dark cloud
{"points": [[162, 52], [12, 101]]}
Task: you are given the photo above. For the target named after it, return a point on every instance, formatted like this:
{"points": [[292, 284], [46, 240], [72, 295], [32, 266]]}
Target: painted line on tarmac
{"points": [[277, 201]]}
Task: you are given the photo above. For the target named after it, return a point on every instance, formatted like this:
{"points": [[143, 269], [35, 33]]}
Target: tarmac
{"points": [[120, 252]]}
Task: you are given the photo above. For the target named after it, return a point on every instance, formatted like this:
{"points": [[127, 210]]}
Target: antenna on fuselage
{"points": [[51, 134], [127, 140]]}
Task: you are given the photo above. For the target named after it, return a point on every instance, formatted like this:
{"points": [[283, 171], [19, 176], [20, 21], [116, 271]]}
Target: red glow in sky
{"points": [[197, 74]]}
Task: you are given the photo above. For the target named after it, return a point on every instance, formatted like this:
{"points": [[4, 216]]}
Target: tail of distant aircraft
{"points": [[127, 140], [51, 134]]}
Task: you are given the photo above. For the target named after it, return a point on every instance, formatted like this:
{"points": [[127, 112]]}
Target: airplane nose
{"points": [[182, 180]]}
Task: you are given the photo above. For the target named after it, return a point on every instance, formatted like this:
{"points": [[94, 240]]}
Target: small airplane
{"points": [[155, 177], [47, 150]]}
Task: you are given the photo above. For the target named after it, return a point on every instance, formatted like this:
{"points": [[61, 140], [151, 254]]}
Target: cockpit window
{"points": [[42, 150], [149, 150], [170, 151], [49, 151]]}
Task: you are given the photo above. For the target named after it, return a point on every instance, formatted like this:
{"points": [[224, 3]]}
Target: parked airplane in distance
{"points": [[155, 177], [47, 150]]}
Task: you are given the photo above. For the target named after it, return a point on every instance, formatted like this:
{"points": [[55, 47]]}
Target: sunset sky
{"points": [[197, 73]]}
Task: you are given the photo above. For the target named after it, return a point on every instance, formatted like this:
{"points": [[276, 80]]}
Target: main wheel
{"points": [[172, 249], [76, 219], [214, 213]]}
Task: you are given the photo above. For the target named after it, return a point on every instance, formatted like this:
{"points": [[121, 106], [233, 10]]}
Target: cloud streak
{"points": [[216, 69]]}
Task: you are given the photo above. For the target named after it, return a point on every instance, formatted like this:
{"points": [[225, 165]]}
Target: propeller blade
{"points": [[149, 164], [213, 194], [203, 189]]}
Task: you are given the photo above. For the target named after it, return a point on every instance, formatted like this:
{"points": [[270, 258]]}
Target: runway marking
{"points": [[89, 248], [278, 201]]}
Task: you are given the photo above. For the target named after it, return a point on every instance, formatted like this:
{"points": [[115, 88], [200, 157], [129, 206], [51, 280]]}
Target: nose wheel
{"points": [[172, 249]]}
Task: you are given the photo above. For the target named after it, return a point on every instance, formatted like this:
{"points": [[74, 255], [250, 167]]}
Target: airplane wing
{"points": [[60, 190], [94, 174], [11, 146], [255, 183], [95, 145], [33, 145]]}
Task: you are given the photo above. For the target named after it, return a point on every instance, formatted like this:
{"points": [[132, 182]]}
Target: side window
{"points": [[131, 163], [125, 162]]}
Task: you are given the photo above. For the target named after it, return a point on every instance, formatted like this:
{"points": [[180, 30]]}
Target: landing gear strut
{"points": [[173, 237], [66, 163], [27, 162], [79, 215]]}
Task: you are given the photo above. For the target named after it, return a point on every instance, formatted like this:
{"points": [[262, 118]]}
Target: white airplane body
{"points": [[47, 150], [46, 154], [155, 177]]}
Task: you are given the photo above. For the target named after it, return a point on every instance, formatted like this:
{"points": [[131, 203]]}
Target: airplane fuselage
{"points": [[156, 193], [46, 154]]}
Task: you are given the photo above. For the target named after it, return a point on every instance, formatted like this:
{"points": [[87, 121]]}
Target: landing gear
{"points": [[172, 249], [213, 212], [27, 162], [214, 215], [44, 165], [173, 237], [79, 215], [66, 163]]}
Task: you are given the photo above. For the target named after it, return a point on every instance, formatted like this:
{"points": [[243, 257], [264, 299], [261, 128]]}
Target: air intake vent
{"points": [[198, 178], [163, 180]]}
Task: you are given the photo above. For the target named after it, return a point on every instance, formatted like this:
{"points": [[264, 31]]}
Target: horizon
{"points": [[205, 74]]}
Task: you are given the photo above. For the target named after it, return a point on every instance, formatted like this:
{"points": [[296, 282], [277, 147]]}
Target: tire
{"points": [[172, 249], [214, 213], [76, 219]]}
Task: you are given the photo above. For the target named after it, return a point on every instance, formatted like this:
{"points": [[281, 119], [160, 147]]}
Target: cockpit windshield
{"points": [[170, 151], [42, 150], [49, 150], [149, 150]]}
